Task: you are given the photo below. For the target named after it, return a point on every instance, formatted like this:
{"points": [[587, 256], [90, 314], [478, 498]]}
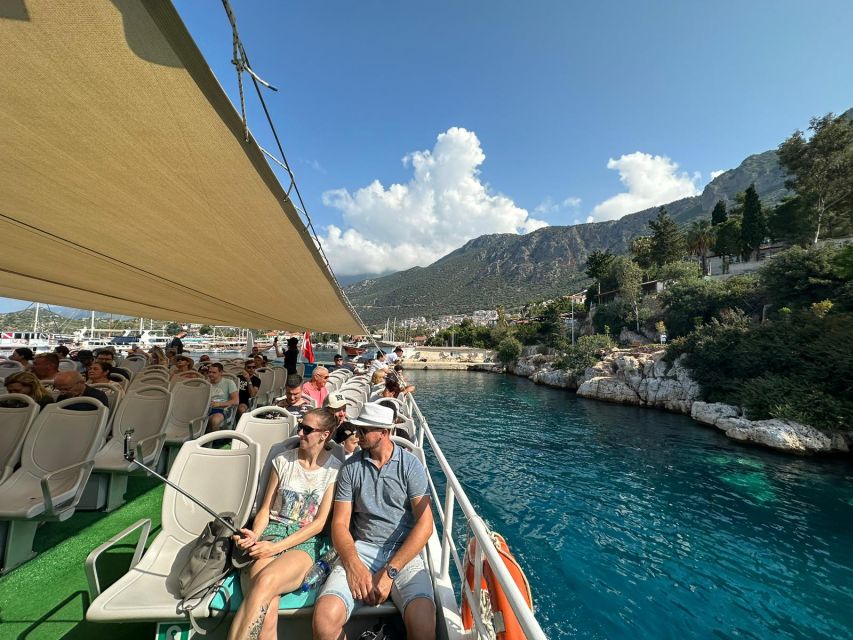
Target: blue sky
{"points": [[504, 116]]}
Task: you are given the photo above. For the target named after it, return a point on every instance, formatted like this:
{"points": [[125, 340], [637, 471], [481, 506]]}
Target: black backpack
{"points": [[207, 565]]}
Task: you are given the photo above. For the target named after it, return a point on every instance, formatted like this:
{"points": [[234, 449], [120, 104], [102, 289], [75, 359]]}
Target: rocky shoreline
{"points": [[641, 377]]}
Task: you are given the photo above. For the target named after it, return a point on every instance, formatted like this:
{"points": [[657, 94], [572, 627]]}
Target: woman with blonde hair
{"points": [[28, 384], [378, 377], [286, 536], [157, 356]]}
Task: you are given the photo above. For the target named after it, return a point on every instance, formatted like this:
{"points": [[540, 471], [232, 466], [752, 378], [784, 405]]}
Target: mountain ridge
{"points": [[512, 269]]}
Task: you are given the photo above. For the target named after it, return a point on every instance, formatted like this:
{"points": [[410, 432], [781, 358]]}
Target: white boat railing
{"points": [[486, 552]]}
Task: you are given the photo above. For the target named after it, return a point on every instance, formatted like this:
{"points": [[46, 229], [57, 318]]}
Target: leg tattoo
{"points": [[258, 623]]}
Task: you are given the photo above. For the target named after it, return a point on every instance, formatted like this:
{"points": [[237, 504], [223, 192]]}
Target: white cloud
{"points": [[650, 180], [714, 174], [550, 207], [440, 208]]}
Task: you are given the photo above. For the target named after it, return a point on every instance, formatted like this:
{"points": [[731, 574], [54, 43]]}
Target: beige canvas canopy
{"points": [[126, 184]]}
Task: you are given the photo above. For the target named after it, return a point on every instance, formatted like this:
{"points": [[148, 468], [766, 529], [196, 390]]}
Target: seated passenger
{"points": [[182, 365], [107, 355], [46, 366], [248, 385], [99, 372], [347, 437], [85, 358], [378, 363], [286, 536], [61, 350], [23, 356], [337, 402], [293, 400], [71, 384], [315, 388], [204, 364], [28, 384], [224, 395], [379, 533], [378, 377], [338, 363], [156, 355]]}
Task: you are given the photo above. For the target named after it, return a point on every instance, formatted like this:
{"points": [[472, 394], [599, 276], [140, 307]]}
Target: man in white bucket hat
{"points": [[382, 519]]}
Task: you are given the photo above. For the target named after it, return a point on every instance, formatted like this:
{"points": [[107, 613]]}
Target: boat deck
{"points": [[47, 597]]}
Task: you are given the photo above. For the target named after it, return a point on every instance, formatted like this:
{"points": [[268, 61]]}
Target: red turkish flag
{"points": [[307, 350]]}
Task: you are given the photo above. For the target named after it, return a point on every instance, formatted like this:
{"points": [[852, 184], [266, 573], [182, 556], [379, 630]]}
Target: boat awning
{"points": [[126, 184]]}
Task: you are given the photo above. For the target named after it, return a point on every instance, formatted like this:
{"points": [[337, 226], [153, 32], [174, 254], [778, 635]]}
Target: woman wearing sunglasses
{"points": [[285, 539]]}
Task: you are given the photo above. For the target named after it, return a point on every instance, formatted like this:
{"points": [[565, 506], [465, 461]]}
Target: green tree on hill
{"points": [[719, 215], [629, 279], [822, 167], [700, 241], [598, 264], [727, 241], [753, 227], [792, 221], [641, 249], [668, 244]]}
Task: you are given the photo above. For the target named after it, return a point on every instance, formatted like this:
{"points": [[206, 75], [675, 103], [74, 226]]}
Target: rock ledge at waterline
{"points": [[642, 378]]}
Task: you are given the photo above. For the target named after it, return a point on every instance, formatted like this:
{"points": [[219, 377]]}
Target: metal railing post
{"points": [[449, 501]]}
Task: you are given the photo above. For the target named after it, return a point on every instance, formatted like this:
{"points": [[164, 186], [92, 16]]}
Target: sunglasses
{"points": [[306, 429], [364, 430]]}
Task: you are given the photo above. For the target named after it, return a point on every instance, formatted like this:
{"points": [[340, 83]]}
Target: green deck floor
{"points": [[47, 597]]}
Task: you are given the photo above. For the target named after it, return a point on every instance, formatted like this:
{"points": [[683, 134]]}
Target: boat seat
{"points": [[135, 364], [56, 460], [279, 377], [186, 375], [188, 414], [266, 391], [144, 410], [8, 367], [114, 392], [17, 414], [223, 479], [149, 379], [156, 367], [266, 431]]}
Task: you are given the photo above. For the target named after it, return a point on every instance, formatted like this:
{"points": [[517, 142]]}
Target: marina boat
{"points": [[110, 107]]}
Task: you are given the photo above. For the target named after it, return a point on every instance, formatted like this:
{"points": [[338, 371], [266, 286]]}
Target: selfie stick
{"points": [[130, 456]]}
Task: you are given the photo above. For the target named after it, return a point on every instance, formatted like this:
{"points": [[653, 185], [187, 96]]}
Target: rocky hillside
{"points": [[510, 269]]}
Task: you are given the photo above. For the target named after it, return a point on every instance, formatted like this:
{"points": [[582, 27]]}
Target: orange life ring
{"points": [[498, 599]]}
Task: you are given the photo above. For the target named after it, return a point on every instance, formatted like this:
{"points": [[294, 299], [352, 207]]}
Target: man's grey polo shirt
{"points": [[381, 498]]}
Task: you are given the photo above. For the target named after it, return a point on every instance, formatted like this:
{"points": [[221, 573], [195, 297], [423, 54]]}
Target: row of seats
{"points": [[62, 458]]}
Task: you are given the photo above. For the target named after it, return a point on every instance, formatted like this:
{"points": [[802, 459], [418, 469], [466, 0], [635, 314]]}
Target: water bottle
{"points": [[320, 571]]}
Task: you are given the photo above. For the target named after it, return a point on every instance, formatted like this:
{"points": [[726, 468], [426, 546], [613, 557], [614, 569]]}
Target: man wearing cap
{"points": [[337, 402], [381, 521]]}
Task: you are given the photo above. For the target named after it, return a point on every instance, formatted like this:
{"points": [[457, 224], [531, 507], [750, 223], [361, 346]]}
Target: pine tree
{"points": [[753, 226], [668, 244], [719, 215]]}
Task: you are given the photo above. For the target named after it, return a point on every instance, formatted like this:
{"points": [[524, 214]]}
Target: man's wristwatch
{"points": [[392, 572]]}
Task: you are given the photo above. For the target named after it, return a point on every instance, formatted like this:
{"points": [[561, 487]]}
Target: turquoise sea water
{"points": [[635, 523]]}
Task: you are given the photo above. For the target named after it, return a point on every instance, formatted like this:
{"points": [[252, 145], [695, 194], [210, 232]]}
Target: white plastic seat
{"points": [[156, 367], [57, 458], [16, 421], [114, 392], [146, 379], [144, 410], [188, 414], [266, 431], [265, 391], [118, 379], [135, 364], [8, 367], [279, 378], [186, 375], [224, 479]]}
